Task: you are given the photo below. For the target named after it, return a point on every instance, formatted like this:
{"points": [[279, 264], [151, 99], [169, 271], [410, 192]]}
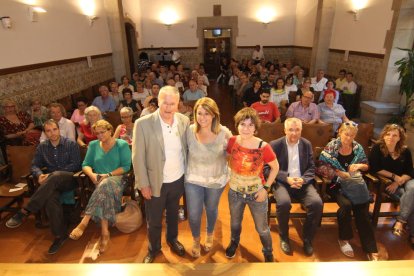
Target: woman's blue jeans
{"points": [[406, 194], [237, 203], [197, 198]]}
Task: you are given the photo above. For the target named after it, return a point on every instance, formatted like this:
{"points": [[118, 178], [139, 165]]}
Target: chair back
{"points": [[270, 131], [20, 161], [114, 118], [318, 134], [365, 135]]}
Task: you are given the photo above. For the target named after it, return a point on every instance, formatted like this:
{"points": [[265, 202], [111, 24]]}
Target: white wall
{"points": [[281, 31], [61, 33], [368, 33], [132, 10], [305, 22]]}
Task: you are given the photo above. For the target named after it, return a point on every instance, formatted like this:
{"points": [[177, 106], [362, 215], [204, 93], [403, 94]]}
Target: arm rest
{"points": [[370, 178]]}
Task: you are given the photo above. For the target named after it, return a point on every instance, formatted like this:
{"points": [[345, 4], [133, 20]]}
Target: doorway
{"points": [[132, 47], [217, 45]]}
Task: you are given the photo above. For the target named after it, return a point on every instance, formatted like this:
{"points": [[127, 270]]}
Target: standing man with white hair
{"points": [[159, 156]]}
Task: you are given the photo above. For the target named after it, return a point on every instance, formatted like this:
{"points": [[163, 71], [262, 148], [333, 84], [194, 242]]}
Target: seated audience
{"points": [[85, 133], [155, 90], [202, 74], [178, 83], [104, 102], [125, 84], [270, 82], [185, 109], [267, 111], [295, 179], [252, 94], [201, 86], [341, 79], [66, 127], [392, 159], [134, 81], [17, 127], [124, 130], [140, 95], [193, 93], [61, 158], [279, 96], [299, 78], [305, 110], [78, 114], [151, 108], [347, 159], [349, 88], [329, 87], [247, 156], [304, 88], [290, 86], [39, 113], [330, 112], [128, 101], [115, 93], [319, 82], [106, 161]]}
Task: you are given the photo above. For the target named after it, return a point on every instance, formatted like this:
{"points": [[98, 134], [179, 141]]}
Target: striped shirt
{"points": [[64, 157]]}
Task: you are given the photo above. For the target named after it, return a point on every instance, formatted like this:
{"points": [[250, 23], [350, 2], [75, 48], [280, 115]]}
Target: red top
{"points": [[88, 135], [267, 112], [247, 164]]}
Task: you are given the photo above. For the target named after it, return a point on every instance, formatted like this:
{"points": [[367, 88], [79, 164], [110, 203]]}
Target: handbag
{"points": [[130, 219], [325, 170], [355, 189]]}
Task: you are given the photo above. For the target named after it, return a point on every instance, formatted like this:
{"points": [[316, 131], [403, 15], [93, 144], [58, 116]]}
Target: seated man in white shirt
{"points": [[349, 88], [257, 54], [66, 127], [319, 82]]}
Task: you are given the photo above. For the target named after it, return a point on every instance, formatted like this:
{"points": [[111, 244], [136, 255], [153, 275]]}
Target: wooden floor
{"points": [[27, 244]]}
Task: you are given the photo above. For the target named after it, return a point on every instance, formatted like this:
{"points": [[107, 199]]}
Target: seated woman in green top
{"points": [[106, 160]]}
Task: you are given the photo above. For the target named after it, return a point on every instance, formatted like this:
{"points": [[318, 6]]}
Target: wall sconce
{"points": [[265, 15], [168, 17], [265, 24], [92, 19], [355, 13], [33, 13], [6, 22]]}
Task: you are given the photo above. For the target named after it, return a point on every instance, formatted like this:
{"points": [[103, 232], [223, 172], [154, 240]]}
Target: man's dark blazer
{"points": [[307, 165]]}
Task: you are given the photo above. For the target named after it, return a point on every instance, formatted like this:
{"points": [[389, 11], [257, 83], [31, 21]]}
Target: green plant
{"points": [[405, 68]]}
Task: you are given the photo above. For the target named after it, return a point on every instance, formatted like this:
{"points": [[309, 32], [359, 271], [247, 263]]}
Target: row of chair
{"points": [[320, 135]]}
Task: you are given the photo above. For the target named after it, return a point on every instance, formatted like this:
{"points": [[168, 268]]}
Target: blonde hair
{"points": [[90, 109], [103, 124], [348, 126], [10, 101], [209, 105]]}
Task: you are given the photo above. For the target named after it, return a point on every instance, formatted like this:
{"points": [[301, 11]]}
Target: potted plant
{"points": [[405, 68]]}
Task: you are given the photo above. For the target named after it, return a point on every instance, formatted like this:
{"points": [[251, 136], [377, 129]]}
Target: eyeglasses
{"points": [[100, 132], [351, 124]]}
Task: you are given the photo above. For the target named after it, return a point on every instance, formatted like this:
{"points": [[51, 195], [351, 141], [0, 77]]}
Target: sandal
{"points": [[209, 242], [103, 243], [77, 233], [346, 248], [398, 228], [195, 251]]}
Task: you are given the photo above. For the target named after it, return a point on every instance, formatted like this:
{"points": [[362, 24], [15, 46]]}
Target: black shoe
{"points": [[56, 245], [307, 248], [269, 258], [148, 259], [285, 246], [231, 249], [16, 220], [176, 247]]}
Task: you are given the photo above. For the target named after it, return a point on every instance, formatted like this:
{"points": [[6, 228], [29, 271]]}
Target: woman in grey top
{"points": [[207, 171]]}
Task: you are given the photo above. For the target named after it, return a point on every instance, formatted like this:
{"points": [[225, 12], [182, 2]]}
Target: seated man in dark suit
{"points": [[295, 180], [61, 158]]}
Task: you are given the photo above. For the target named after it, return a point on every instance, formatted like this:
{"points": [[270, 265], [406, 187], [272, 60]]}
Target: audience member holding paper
{"points": [[61, 158]]}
